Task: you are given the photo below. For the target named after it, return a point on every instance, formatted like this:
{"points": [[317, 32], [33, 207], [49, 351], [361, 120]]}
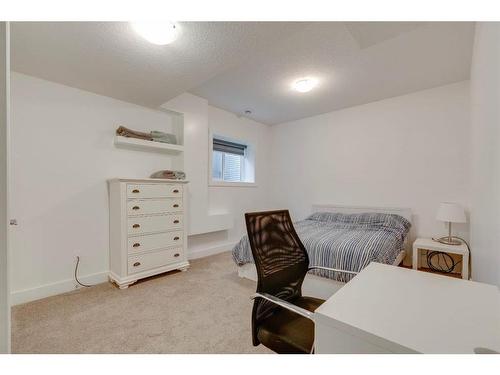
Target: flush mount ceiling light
{"points": [[305, 84], [157, 32]]}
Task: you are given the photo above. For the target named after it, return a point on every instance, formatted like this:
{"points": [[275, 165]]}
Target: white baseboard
{"points": [[205, 252], [48, 290], [64, 286]]}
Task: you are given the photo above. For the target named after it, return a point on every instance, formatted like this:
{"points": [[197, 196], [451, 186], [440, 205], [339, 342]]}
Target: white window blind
{"points": [[228, 160], [217, 165], [232, 167]]}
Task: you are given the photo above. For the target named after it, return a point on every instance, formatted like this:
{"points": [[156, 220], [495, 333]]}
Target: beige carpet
{"points": [[204, 310]]}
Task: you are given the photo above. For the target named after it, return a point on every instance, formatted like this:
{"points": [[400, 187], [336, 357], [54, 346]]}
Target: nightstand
{"points": [[431, 245]]}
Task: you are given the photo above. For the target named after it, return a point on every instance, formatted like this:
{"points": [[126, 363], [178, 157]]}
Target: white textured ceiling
{"points": [[249, 65]]}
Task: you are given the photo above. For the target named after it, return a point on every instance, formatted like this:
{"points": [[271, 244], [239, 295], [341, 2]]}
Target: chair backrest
{"points": [[280, 259]]}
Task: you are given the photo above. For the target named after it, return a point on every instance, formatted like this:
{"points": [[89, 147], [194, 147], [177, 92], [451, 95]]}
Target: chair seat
{"points": [[286, 332]]}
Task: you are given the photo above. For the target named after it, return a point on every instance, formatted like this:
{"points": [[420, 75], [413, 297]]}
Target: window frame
{"points": [[245, 159]]}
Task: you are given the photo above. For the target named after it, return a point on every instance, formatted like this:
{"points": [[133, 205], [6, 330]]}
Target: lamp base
{"points": [[448, 241]]}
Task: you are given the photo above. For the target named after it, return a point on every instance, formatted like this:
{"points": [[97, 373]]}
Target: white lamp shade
{"points": [[451, 212]]}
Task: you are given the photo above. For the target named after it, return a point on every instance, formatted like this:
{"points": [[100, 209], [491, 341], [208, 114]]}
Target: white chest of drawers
{"points": [[148, 235]]}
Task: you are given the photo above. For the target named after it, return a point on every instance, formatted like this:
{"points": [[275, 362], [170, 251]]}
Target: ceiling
{"points": [[242, 66]]}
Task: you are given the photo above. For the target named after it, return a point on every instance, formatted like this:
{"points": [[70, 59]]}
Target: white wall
{"points": [[239, 200], [62, 155], [219, 210], [4, 188], [485, 153], [408, 151]]}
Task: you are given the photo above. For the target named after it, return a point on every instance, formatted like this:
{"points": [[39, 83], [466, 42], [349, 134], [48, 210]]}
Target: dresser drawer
{"points": [[138, 244], [154, 191], [151, 224], [153, 206], [157, 259]]}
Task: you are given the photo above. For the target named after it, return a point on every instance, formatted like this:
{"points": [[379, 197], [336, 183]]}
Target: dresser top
{"points": [[147, 180]]}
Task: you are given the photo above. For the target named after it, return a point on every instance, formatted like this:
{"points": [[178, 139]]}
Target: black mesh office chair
{"points": [[282, 319]]}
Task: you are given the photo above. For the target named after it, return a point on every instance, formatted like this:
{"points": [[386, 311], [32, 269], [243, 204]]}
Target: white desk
{"points": [[387, 309]]}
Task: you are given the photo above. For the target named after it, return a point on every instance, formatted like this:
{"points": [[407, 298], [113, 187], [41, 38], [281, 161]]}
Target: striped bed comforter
{"points": [[344, 241]]}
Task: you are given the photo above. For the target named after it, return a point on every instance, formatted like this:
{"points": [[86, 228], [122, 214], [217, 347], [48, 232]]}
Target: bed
{"points": [[342, 237]]}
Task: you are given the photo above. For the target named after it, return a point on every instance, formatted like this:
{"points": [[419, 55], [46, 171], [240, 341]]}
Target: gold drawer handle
{"points": [[176, 238], [176, 255], [136, 208], [176, 191], [176, 205], [137, 244], [136, 226], [137, 264], [135, 191], [176, 221]]}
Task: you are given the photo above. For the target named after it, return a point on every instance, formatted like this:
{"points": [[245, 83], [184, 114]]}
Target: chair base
{"points": [[285, 332]]}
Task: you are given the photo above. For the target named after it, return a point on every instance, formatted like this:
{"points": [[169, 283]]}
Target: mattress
{"points": [[344, 241]]}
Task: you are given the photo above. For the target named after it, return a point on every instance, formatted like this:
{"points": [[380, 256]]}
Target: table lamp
{"points": [[451, 213]]}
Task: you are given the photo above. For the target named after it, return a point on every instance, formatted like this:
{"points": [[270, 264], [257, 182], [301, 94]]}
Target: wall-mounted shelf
{"points": [[211, 223], [139, 144]]}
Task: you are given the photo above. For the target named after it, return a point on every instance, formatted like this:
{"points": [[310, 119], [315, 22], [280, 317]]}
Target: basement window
{"points": [[232, 162]]}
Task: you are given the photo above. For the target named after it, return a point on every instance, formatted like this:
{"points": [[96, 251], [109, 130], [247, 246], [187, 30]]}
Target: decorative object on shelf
{"points": [[163, 137], [451, 213], [169, 175], [154, 135], [129, 133]]}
